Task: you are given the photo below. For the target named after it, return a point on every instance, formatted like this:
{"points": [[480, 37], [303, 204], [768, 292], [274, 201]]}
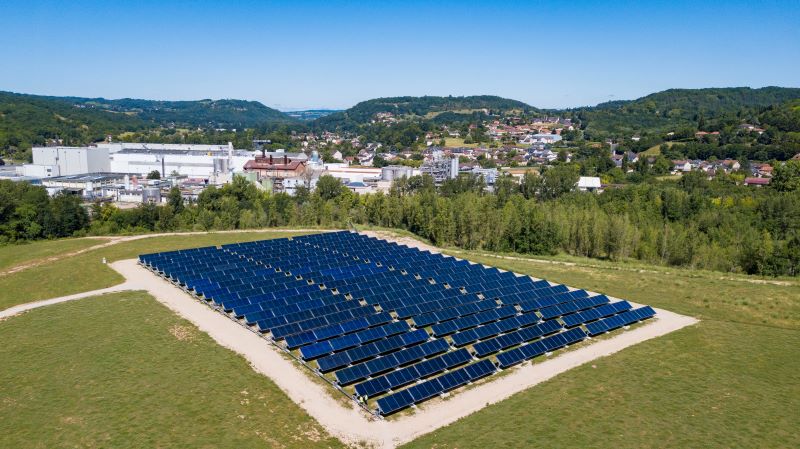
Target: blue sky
{"points": [[335, 53]]}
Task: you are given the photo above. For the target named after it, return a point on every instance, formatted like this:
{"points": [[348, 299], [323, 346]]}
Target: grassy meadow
{"points": [[150, 379], [123, 371], [733, 380], [17, 254], [86, 271]]}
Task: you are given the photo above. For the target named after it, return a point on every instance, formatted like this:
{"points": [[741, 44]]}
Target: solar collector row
{"points": [[596, 313], [359, 353], [623, 319], [436, 386], [343, 342], [355, 373], [539, 347], [409, 374]]}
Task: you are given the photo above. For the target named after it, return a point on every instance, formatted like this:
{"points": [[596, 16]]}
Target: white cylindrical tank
{"points": [[151, 195]]}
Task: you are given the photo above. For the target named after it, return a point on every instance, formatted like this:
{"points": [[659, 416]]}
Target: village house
{"points": [[758, 182]]}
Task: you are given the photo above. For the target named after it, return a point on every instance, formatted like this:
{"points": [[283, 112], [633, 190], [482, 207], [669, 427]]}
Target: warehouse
{"points": [[66, 161], [87, 185], [212, 162], [215, 164]]}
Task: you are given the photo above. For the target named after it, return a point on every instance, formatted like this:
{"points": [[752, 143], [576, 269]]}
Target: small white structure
{"points": [[540, 138], [589, 184]]}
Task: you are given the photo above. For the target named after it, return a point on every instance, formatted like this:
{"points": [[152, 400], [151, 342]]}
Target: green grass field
{"points": [[458, 142], [730, 381], [123, 371], [733, 380], [12, 255], [86, 271]]}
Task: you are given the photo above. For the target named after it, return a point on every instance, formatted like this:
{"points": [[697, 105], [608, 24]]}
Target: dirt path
{"points": [[21, 308], [113, 240], [351, 424]]}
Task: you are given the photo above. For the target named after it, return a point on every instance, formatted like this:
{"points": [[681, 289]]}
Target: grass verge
{"points": [[123, 371], [86, 271], [18, 254]]}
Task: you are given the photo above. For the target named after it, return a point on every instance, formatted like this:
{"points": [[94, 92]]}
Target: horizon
{"points": [[332, 55], [395, 96]]}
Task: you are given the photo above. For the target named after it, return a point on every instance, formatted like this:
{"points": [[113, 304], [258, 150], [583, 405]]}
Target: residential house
{"points": [[758, 182], [589, 184], [681, 166]]}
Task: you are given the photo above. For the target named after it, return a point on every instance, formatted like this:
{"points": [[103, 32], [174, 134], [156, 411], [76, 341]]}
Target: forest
{"points": [[33, 120], [670, 116], [674, 109], [714, 225], [419, 108]]}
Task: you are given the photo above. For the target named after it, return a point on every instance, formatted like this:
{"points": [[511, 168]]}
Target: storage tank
{"points": [[151, 195], [221, 165], [392, 172]]}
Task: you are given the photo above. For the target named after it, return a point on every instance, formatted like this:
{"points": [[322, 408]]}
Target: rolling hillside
{"points": [[438, 109], [28, 120], [673, 108]]}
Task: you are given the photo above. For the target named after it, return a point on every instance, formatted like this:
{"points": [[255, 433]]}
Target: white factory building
{"points": [[212, 162], [49, 162], [191, 162]]}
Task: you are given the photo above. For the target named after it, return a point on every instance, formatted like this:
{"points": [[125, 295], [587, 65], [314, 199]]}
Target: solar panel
{"points": [[358, 308]]}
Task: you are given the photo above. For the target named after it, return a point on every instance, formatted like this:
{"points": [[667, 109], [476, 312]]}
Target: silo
{"points": [[151, 195]]}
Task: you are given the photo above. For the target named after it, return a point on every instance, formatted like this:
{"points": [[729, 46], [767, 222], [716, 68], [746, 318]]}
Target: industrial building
{"points": [[392, 172], [87, 185], [280, 171], [489, 175], [212, 162], [215, 163], [440, 168], [66, 161]]}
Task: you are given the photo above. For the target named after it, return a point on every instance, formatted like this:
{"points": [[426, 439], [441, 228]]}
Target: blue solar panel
{"points": [[622, 319], [349, 303]]}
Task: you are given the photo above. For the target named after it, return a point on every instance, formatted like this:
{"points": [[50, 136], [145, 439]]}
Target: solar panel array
{"points": [[390, 323]]}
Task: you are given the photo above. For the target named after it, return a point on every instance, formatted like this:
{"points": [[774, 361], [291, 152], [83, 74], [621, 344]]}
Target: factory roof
{"points": [[276, 164], [88, 177], [185, 152]]}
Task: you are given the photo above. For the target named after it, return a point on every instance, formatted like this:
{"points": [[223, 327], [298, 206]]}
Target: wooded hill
{"points": [[27, 120], [675, 108], [436, 109]]}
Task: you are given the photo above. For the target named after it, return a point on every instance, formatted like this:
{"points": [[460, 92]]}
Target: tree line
{"points": [[714, 225]]}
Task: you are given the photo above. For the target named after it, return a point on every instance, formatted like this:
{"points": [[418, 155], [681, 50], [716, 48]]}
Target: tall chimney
{"points": [[270, 159], [285, 160]]}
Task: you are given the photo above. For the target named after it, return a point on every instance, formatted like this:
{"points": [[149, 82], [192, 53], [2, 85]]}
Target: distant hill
{"points": [[438, 109], [203, 113], [667, 110], [27, 120], [311, 114]]}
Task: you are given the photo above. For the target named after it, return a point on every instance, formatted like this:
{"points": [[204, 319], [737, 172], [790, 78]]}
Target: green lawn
{"points": [[123, 371], [16, 254], [712, 385], [86, 271], [458, 142], [730, 381], [733, 380]]}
